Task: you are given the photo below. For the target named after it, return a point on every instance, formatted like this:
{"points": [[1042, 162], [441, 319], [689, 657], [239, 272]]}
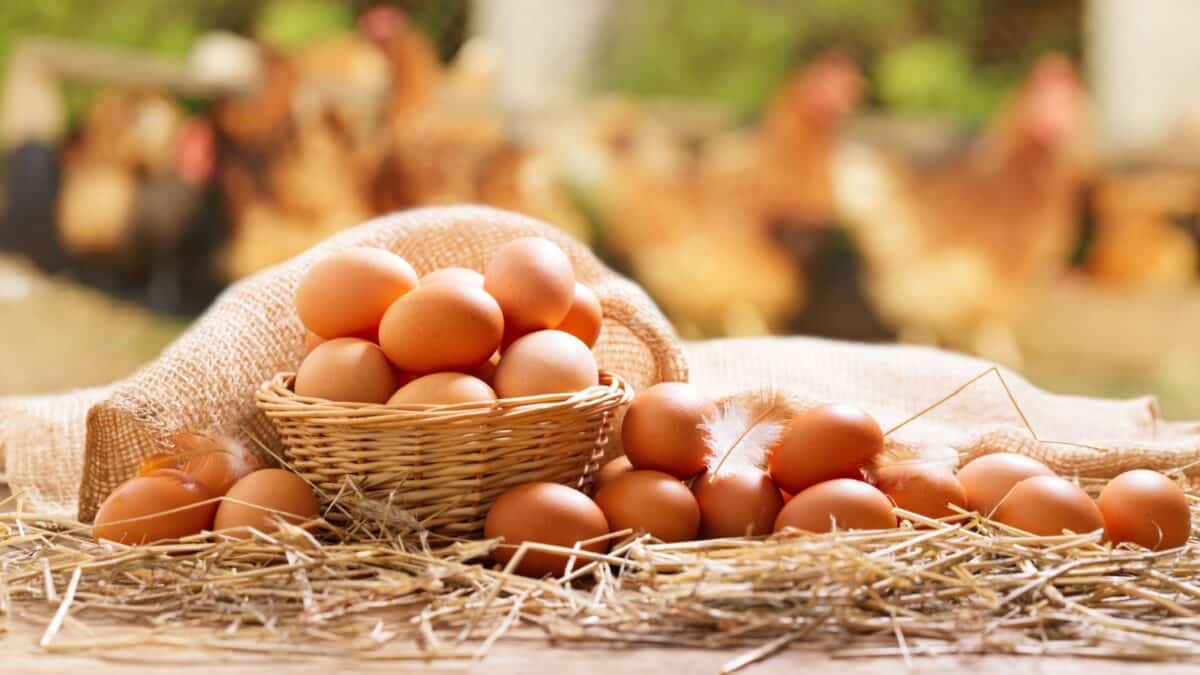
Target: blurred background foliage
{"points": [[169, 28], [954, 58], [951, 57]]}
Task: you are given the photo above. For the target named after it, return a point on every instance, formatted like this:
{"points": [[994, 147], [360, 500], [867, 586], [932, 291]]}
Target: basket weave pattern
{"points": [[443, 465]]}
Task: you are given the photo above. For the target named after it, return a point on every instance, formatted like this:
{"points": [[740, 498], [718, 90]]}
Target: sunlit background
{"points": [[1017, 179]]}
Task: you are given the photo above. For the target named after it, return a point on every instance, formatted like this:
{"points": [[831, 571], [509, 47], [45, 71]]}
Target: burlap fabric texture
{"points": [[1102, 437], [206, 380], [69, 451]]}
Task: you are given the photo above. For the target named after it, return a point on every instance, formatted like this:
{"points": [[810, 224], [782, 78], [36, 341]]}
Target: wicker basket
{"points": [[443, 465]]}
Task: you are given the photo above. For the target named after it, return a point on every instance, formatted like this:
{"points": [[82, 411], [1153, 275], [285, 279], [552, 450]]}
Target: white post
{"points": [[544, 47], [1144, 63]]}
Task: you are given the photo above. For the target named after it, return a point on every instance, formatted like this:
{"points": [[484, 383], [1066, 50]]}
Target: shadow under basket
{"points": [[443, 466]]}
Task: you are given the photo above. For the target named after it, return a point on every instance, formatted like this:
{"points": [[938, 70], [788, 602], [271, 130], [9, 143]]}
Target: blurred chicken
{"points": [[371, 122], [124, 136], [638, 170], [526, 180], [1147, 228], [705, 259], [721, 279], [348, 80], [308, 174], [446, 143], [436, 149], [954, 250], [677, 200], [255, 120], [175, 220], [312, 187], [782, 168], [32, 123], [134, 187], [439, 159], [1146, 215], [416, 71]]}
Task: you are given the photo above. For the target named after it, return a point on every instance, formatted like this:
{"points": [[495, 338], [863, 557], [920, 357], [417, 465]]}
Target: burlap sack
{"points": [[206, 380], [895, 382]]}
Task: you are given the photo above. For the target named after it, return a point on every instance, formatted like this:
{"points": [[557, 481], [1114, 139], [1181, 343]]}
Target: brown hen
{"points": [[954, 249], [701, 226]]}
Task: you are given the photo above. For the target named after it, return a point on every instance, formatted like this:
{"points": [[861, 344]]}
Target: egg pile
{"points": [[821, 473], [176, 495], [379, 334]]}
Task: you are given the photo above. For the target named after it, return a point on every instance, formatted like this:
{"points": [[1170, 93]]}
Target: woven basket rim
{"points": [[276, 396]]}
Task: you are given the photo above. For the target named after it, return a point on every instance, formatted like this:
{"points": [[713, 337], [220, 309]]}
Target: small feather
{"points": [[903, 453], [194, 445], [745, 429]]}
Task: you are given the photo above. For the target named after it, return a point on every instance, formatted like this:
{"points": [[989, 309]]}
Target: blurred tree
{"points": [[937, 75], [294, 24], [165, 28], [153, 26], [953, 57]]}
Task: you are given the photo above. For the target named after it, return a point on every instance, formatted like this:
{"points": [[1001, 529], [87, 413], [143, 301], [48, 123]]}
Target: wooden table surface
{"points": [[19, 653]]}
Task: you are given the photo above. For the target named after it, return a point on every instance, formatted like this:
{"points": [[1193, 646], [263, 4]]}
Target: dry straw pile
{"points": [[963, 585], [367, 580]]}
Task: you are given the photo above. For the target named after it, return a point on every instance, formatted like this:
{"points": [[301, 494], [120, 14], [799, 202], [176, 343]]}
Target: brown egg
{"points": [[1146, 508], [402, 378], [651, 502], [218, 471], [346, 369], [545, 362], [1047, 505], [371, 335], [274, 490], [988, 478], [851, 504], [827, 442], [546, 513], [216, 463], [737, 502], [454, 275], [512, 333], [585, 317], [922, 487], [662, 432], [487, 371], [441, 327], [311, 341], [348, 292], [533, 281], [443, 389], [187, 445], [610, 471], [138, 499]]}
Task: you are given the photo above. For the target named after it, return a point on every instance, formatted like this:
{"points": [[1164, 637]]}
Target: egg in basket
{"points": [[433, 396]]}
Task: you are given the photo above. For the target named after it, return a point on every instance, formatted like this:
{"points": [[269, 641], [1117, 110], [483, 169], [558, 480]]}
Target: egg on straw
{"points": [[920, 479], [736, 497]]}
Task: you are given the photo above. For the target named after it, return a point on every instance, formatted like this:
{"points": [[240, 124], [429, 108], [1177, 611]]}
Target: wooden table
{"points": [[19, 654]]}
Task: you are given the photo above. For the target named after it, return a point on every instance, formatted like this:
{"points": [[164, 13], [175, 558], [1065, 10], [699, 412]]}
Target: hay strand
{"points": [[380, 588]]}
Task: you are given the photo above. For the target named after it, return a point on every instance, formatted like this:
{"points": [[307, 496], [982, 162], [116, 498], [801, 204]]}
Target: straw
{"points": [[376, 586], [965, 585]]}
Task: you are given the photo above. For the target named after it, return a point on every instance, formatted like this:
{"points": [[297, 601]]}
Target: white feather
{"points": [[742, 433], [902, 453]]}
